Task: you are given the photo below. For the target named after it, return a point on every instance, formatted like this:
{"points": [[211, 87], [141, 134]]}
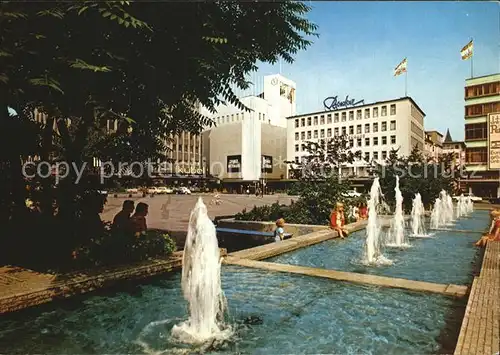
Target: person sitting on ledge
{"points": [[139, 219], [122, 221], [337, 220], [279, 232], [494, 232]]}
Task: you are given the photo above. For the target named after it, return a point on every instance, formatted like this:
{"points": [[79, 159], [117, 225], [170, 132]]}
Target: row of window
{"points": [[476, 131], [321, 133], [358, 141], [482, 109], [482, 90], [476, 155], [236, 118], [342, 117], [367, 156]]}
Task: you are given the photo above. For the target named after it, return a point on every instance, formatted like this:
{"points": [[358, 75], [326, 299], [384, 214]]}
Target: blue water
{"points": [[448, 257], [300, 315]]}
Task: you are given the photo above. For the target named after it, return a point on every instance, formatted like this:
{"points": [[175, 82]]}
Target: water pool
{"points": [[300, 315], [447, 258]]}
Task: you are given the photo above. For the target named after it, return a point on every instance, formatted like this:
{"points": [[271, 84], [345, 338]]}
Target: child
{"points": [[279, 232], [337, 220]]}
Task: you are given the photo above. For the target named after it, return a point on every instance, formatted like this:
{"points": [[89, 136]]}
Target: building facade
{"points": [[374, 129], [482, 100], [249, 148], [433, 145]]}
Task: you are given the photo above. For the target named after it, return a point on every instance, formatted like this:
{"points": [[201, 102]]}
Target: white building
{"points": [[433, 146], [374, 129], [241, 142]]}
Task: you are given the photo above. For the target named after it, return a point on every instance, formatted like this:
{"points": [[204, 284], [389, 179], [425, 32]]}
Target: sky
{"points": [[361, 43]]}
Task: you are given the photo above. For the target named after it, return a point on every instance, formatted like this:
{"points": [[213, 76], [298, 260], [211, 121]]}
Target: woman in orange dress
{"points": [[494, 232], [337, 220]]}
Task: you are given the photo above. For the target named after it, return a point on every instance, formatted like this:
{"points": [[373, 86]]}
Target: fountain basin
{"points": [[276, 313]]}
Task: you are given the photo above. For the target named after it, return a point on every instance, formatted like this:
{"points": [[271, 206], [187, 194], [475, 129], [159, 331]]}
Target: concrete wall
{"points": [[295, 229]]}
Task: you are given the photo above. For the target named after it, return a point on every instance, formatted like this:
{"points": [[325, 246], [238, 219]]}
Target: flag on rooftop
{"points": [[467, 50], [401, 68]]}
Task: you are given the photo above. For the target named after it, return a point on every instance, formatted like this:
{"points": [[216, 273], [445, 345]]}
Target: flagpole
{"points": [[472, 61], [406, 83]]}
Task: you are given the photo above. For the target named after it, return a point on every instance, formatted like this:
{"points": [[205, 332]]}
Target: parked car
{"points": [[133, 190], [183, 191], [351, 193], [164, 190], [153, 190], [473, 197]]}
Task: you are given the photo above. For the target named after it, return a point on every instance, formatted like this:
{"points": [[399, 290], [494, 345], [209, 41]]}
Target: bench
{"points": [[250, 233]]}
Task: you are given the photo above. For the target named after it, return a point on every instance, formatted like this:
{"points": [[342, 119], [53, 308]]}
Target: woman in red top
{"points": [[494, 232], [337, 220], [363, 212]]}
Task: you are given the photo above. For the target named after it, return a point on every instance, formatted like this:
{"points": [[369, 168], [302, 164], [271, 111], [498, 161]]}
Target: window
{"points": [[351, 143], [296, 160], [476, 131], [315, 120], [393, 139], [260, 116], [302, 135], [367, 113], [344, 115], [351, 129], [367, 142], [359, 142], [367, 156], [358, 129], [309, 134], [303, 147], [296, 147], [322, 119], [367, 128], [384, 140], [263, 117], [243, 116], [384, 126], [384, 155], [336, 131], [336, 117], [358, 114], [393, 125], [375, 127], [393, 109], [375, 155], [296, 136], [476, 155], [375, 140], [322, 133], [344, 131], [351, 115], [329, 118], [309, 121], [329, 132], [302, 122], [375, 112], [237, 117], [384, 111], [482, 90], [482, 109], [315, 133]]}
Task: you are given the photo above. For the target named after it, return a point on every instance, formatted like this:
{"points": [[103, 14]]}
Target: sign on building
{"points": [[233, 163], [494, 141], [267, 164]]}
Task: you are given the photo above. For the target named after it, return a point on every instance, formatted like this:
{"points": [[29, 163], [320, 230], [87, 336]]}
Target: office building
{"points": [[482, 114], [433, 145], [374, 129]]}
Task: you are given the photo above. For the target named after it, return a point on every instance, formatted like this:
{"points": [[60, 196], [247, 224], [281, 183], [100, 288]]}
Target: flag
{"points": [[466, 52], [401, 68]]}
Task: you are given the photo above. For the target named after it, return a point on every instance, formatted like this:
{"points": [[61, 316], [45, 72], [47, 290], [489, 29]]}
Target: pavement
{"points": [[171, 212]]}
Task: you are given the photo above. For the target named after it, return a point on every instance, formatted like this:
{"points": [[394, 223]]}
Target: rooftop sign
{"points": [[333, 103]]}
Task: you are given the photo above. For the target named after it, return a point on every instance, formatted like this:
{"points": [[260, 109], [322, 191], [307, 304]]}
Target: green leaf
{"points": [[106, 14], [82, 10]]}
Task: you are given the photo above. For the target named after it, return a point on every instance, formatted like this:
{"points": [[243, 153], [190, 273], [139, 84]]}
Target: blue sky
{"points": [[361, 43]]}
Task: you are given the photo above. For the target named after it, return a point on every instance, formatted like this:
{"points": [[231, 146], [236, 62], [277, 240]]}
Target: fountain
{"points": [[446, 209], [462, 208], [396, 236], [201, 282], [437, 214], [470, 205], [372, 253], [417, 217]]}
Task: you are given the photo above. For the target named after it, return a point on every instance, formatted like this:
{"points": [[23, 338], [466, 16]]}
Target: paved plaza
{"points": [[171, 212]]}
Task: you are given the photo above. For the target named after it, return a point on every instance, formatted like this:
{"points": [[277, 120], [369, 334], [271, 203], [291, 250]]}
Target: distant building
{"points": [[433, 145]]}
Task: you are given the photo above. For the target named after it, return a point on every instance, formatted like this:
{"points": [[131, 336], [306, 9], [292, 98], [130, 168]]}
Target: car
{"points": [[164, 190], [132, 191], [351, 193], [183, 191], [473, 197], [153, 190]]}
